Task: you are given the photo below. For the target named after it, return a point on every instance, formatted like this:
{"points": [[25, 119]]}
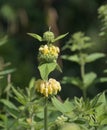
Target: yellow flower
{"points": [[48, 53], [50, 50], [50, 87]]}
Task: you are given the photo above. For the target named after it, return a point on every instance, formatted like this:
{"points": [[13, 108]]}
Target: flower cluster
{"points": [[50, 87], [48, 53]]}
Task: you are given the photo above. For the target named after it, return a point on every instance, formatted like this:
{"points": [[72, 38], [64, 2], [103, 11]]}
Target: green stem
{"points": [[45, 116], [84, 93], [82, 71], [82, 76]]}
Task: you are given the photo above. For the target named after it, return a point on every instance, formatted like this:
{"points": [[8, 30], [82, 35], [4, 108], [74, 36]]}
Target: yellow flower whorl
{"points": [[50, 87], [48, 53]]}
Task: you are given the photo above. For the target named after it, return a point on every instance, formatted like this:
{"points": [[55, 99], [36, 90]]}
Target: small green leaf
{"points": [[32, 82], [73, 80], [60, 37], [19, 97], [8, 104], [36, 36], [94, 56], [89, 79], [101, 109], [73, 58], [59, 68], [45, 69], [6, 71], [105, 71], [3, 40], [102, 79]]}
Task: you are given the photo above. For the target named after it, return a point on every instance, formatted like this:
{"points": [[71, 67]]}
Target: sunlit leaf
{"points": [[36, 36]]}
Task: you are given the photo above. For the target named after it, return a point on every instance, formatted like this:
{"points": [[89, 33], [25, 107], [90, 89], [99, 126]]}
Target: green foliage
{"points": [[89, 113], [79, 43], [39, 38], [45, 69], [25, 109], [102, 11]]}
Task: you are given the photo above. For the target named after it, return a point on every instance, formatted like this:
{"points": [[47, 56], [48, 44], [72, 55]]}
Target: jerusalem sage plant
{"points": [[47, 58]]}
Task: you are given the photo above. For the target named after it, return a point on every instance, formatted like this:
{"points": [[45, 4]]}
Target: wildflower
{"points": [[48, 53], [50, 87]]}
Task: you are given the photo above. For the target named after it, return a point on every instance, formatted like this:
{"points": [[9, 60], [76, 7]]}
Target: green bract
{"points": [[48, 36]]}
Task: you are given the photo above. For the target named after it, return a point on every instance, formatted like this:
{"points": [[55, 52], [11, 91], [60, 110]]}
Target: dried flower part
{"points": [[48, 53], [48, 36], [50, 87]]}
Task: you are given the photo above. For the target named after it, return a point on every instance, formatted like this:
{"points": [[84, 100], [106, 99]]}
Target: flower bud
{"points": [[48, 36]]}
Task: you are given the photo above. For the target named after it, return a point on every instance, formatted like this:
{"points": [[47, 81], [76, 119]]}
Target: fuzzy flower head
{"points": [[46, 88], [48, 53]]}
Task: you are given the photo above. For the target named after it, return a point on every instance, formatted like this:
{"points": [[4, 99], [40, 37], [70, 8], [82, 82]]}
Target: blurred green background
{"points": [[17, 17]]}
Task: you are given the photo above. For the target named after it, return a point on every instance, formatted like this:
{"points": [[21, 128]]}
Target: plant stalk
{"points": [[82, 76], [45, 115]]}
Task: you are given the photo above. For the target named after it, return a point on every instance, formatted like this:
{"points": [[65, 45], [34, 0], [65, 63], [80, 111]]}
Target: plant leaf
{"points": [[89, 79], [45, 69], [8, 104], [72, 80], [94, 56], [6, 71], [102, 79], [73, 58], [36, 36], [3, 40], [32, 83], [60, 37], [19, 97], [62, 107]]}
